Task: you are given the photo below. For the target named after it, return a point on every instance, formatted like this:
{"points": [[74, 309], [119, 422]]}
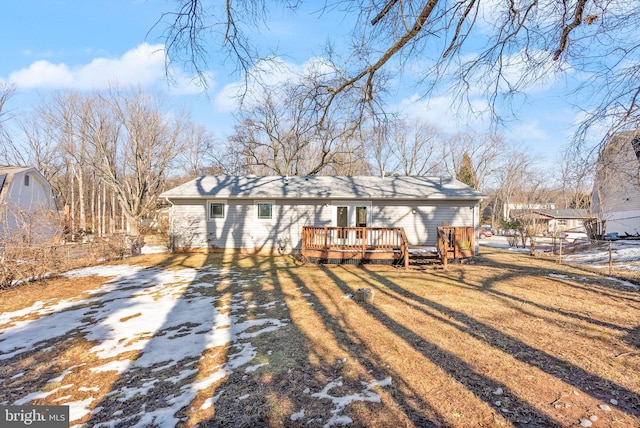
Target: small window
{"points": [[216, 210], [562, 222], [265, 210], [26, 179]]}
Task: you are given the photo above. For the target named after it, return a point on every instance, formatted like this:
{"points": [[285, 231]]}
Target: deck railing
{"points": [[455, 242], [381, 243], [355, 243]]}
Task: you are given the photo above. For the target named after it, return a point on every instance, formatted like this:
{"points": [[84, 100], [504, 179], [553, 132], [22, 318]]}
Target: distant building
{"points": [[616, 191], [552, 221], [27, 205], [520, 207]]}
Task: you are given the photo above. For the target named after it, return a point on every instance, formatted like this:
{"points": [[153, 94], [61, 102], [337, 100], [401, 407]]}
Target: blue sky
{"points": [[84, 45]]}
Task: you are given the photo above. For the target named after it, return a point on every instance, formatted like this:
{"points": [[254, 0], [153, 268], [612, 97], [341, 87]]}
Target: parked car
{"points": [[484, 233], [510, 232], [573, 236]]}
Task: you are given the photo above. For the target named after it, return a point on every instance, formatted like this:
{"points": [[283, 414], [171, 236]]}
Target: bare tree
{"points": [[516, 170], [133, 158], [499, 48], [286, 131], [6, 92], [115, 149], [199, 156], [575, 174], [42, 147], [414, 148], [481, 150]]}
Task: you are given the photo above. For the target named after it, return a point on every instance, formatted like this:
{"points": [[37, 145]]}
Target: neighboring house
{"points": [[552, 221], [616, 191], [27, 205], [265, 213]]}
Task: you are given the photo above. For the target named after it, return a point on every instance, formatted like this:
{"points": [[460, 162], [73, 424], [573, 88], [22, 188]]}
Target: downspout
{"points": [[476, 237], [171, 239]]}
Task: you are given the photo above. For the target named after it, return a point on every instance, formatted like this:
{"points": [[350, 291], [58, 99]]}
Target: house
{"points": [[27, 205], [264, 214], [553, 221], [519, 208], [615, 199]]}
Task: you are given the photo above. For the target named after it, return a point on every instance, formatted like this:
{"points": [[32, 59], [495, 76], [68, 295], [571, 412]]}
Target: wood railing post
{"points": [[363, 231], [326, 239]]}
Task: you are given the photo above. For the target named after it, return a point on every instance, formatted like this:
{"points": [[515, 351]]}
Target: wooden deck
{"points": [[355, 243], [358, 244]]}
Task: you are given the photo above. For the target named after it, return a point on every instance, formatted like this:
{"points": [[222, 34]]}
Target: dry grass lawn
{"points": [[509, 340]]}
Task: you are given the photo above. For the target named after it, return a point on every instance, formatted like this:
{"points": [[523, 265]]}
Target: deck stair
{"points": [[422, 257]]}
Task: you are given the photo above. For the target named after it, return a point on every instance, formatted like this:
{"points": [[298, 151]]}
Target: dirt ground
{"points": [[507, 340]]}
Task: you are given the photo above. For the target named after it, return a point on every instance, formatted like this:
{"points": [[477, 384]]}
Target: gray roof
{"points": [[314, 187], [565, 214]]}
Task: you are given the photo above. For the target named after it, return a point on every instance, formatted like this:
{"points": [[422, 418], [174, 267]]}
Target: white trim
{"points": [[216, 202], [351, 204], [260, 202]]}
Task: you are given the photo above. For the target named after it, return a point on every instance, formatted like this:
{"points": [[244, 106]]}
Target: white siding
{"points": [[242, 229], [421, 226], [623, 222], [35, 196], [21, 199], [616, 192]]}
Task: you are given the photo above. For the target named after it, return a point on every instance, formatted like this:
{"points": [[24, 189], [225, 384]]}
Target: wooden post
{"points": [[326, 238], [363, 232], [610, 259], [560, 252]]}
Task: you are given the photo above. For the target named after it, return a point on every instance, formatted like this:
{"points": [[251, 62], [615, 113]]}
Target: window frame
{"points": [[224, 210], [257, 205]]}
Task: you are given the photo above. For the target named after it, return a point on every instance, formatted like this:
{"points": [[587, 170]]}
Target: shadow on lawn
{"points": [[151, 388], [512, 273], [594, 385], [409, 401], [155, 381], [481, 386]]}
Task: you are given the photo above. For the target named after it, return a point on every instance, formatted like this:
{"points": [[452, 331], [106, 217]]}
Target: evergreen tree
{"points": [[466, 173]]}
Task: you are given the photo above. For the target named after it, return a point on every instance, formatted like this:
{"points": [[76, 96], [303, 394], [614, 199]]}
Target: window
{"points": [[265, 210], [562, 222], [216, 210], [26, 179]]}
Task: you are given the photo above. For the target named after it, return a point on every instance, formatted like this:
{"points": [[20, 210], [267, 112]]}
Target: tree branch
{"points": [[564, 38], [383, 12]]}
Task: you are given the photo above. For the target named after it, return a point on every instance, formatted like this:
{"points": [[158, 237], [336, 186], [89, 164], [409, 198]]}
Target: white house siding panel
{"points": [[616, 193], [22, 200], [421, 227], [623, 222], [619, 206], [188, 224], [285, 228], [241, 227]]}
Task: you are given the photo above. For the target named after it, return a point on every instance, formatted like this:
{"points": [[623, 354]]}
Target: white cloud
{"points": [[449, 116], [272, 72], [143, 65]]}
